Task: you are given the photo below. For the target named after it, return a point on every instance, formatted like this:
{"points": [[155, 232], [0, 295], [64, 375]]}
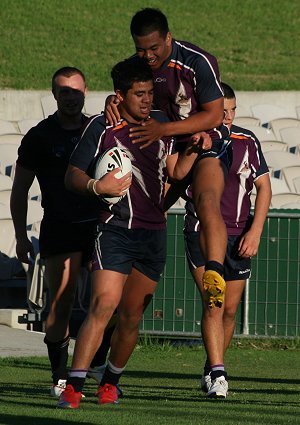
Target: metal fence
{"points": [[271, 301]]}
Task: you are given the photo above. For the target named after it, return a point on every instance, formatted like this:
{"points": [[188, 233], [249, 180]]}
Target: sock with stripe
{"points": [[218, 370], [112, 374], [77, 378]]}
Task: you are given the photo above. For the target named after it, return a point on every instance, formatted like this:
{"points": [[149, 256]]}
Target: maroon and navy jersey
{"points": [[46, 150], [187, 80], [248, 164], [142, 207]]}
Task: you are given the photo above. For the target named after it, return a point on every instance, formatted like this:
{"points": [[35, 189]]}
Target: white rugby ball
{"points": [[111, 159]]}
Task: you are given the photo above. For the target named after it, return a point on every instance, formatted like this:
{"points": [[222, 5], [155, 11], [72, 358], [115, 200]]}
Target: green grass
{"points": [[256, 41], [161, 387]]}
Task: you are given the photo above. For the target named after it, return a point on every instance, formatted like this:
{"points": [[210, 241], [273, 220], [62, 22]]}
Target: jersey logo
{"points": [[183, 101], [160, 80]]}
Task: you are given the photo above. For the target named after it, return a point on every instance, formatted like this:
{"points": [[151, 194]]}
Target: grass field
{"points": [[161, 386], [256, 41]]}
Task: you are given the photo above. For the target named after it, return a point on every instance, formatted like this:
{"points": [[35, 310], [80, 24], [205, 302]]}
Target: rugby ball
{"points": [[111, 159]]}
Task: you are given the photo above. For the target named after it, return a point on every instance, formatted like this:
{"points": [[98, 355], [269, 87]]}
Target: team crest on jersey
{"points": [[183, 101]]}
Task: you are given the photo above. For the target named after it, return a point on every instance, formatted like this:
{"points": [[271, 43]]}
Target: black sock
{"points": [[207, 368], [110, 377], [214, 265], [217, 373], [58, 356], [76, 382]]}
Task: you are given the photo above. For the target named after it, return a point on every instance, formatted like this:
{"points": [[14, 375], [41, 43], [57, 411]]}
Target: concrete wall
{"points": [[16, 105]]}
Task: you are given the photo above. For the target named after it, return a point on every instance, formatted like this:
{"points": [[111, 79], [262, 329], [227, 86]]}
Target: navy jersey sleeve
{"points": [[87, 148], [207, 77]]}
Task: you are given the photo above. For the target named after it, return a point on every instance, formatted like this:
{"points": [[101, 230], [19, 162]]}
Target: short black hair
{"points": [[66, 71], [148, 20], [228, 91], [129, 71]]}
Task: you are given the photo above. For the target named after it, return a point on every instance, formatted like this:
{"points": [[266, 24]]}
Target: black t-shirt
{"points": [[46, 150]]}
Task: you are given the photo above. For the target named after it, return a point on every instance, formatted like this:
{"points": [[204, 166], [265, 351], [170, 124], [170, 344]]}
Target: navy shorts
{"points": [[121, 249], [235, 267], [58, 237], [222, 150]]}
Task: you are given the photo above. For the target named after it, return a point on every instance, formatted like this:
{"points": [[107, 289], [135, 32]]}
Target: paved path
{"points": [[22, 343]]}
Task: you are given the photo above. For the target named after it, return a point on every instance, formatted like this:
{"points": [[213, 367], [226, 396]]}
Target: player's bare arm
{"points": [[179, 165], [77, 180], [211, 116], [18, 204], [250, 241]]}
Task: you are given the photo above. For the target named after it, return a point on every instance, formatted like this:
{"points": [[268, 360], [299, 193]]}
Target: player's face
{"points": [[136, 104], [229, 111], [154, 48], [70, 93]]}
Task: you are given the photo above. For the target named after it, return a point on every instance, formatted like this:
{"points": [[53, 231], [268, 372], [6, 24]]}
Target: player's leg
{"points": [[137, 294], [211, 322], [237, 271], [64, 246], [234, 292], [111, 266], [106, 292], [149, 257], [98, 364], [196, 263], [107, 289], [234, 267], [208, 186], [61, 273], [219, 380], [212, 335]]}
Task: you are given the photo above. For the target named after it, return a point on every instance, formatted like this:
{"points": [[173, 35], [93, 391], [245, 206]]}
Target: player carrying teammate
{"points": [[187, 88], [131, 246]]}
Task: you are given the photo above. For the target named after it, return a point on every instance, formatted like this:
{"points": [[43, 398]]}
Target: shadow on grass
{"points": [[16, 420], [25, 363], [166, 375]]}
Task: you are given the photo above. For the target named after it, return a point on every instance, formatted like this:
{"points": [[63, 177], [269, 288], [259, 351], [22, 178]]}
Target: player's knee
{"points": [[130, 320], [229, 313], [102, 307]]}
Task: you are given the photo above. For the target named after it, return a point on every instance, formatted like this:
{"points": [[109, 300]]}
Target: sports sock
{"points": [[214, 265], [217, 370], [207, 368], [77, 378], [58, 356], [112, 374]]}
